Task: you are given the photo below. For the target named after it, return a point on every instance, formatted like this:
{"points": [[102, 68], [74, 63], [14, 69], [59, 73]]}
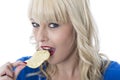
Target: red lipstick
{"points": [[49, 48]]}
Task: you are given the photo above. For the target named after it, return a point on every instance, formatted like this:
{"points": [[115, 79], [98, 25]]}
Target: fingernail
{"points": [[25, 62]]}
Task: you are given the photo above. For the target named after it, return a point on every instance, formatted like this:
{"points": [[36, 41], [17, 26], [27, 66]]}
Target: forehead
{"points": [[48, 10]]}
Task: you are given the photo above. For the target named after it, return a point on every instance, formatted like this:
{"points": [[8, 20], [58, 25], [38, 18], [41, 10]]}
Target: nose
{"points": [[41, 35]]}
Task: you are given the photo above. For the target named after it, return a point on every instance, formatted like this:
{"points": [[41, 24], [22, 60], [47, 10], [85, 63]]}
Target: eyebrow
{"points": [[31, 19]]}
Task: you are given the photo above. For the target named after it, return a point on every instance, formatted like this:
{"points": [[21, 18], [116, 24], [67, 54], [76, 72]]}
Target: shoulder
{"points": [[24, 58], [112, 72]]}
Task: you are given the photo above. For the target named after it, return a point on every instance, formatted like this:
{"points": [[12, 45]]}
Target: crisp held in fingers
{"points": [[38, 58]]}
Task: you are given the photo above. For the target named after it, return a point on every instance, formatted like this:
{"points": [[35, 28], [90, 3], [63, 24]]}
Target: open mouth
{"points": [[50, 49]]}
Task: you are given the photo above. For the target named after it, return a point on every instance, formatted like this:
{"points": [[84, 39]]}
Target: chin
{"points": [[52, 62]]}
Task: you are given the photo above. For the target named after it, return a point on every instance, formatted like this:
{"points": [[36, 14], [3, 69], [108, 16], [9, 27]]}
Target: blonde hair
{"points": [[78, 13]]}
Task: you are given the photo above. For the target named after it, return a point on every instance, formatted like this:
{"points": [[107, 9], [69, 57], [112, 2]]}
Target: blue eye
{"points": [[53, 25], [35, 25]]}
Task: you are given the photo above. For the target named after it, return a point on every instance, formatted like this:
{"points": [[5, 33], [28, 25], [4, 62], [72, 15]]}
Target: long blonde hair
{"points": [[78, 13]]}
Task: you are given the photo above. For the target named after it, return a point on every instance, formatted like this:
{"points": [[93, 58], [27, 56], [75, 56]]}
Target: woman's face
{"points": [[57, 38]]}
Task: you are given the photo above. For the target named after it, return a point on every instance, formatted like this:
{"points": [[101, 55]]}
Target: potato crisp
{"points": [[38, 58]]}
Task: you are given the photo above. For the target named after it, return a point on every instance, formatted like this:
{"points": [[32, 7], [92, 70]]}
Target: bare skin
{"points": [[68, 69], [7, 73], [58, 36], [62, 38]]}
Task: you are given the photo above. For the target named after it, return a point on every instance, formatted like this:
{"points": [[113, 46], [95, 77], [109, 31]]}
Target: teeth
{"points": [[46, 48]]}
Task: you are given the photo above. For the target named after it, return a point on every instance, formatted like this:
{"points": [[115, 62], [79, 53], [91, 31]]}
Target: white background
{"points": [[15, 28]]}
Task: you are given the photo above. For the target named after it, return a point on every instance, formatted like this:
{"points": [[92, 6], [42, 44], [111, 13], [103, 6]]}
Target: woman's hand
{"points": [[7, 72]]}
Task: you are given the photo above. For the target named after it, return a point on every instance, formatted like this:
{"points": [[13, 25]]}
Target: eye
{"points": [[53, 25], [35, 25]]}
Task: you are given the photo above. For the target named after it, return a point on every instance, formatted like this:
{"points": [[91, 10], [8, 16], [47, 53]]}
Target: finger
{"points": [[9, 65], [17, 63], [6, 78], [7, 70], [9, 73], [18, 69]]}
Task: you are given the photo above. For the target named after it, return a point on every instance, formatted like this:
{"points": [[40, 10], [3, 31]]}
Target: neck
{"points": [[69, 67]]}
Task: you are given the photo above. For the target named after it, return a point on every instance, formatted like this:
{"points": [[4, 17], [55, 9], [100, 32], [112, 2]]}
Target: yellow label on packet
{"points": [[38, 58]]}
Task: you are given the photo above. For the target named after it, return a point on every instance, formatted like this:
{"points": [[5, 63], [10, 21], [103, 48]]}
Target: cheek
{"points": [[62, 38], [59, 38], [34, 33]]}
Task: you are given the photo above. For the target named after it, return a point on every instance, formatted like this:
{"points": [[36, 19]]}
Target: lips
{"points": [[50, 49]]}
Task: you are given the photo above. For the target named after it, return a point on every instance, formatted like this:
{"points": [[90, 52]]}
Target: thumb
{"points": [[18, 66], [18, 63]]}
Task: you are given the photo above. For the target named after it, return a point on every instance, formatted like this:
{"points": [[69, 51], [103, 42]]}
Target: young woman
{"points": [[66, 29]]}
